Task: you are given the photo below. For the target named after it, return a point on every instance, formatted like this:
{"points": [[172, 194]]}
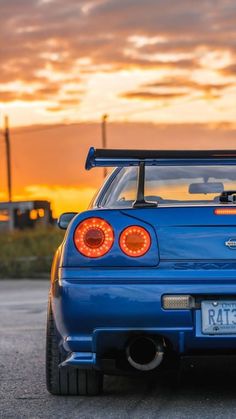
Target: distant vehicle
{"points": [[147, 274], [25, 214]]}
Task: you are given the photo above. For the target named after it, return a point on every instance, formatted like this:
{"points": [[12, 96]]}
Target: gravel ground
{"points": [[207, 391]]}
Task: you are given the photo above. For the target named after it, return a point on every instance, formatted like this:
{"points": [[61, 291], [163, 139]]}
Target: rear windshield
{"points": [[171, 185]]}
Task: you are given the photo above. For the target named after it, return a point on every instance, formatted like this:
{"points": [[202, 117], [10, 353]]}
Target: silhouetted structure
{"points": [[24, 214]]}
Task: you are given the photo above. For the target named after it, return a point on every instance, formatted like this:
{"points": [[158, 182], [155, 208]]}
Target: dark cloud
{"points": [[153, 95], [175, 88], [181, 82], [46, 93]]}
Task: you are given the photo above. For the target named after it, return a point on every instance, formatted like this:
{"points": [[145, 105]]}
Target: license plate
{"points": [[218, 317]]}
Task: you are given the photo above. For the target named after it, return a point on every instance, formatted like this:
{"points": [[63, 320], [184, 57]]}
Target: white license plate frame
{"points": [[218, 317]]}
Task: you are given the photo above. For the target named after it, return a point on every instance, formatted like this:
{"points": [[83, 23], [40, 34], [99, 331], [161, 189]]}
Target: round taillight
{"points": [[135, 241], [94, 237]]}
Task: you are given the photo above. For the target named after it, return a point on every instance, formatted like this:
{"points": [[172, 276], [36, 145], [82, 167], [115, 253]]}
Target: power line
{"points": [[48, 128], [53, 127]]}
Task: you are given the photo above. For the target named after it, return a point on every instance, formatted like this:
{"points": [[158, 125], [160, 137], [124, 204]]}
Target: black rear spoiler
{"points": [[115, 158]]}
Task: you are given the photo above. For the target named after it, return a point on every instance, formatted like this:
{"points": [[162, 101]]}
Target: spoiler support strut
{"points": [[140, 201]]}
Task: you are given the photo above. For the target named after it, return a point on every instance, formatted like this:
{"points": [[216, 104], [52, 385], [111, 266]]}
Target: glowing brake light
{"points": [[135, 241], [94, 237], [225, 211]]}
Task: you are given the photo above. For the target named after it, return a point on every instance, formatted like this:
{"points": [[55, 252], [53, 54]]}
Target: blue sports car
{"points": [[148, 273]]}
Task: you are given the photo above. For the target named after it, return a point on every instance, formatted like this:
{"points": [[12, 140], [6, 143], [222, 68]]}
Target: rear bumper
{"points": [[96, 313]]}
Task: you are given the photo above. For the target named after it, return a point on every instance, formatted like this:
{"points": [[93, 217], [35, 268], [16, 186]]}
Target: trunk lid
{"points": [[190, 233]]}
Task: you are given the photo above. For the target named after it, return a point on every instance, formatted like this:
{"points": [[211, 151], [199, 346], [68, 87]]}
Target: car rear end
{"points": [[139, 285]]}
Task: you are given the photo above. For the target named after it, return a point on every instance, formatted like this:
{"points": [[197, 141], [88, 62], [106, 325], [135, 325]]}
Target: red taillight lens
{"points": [[94, 237], [135, 241]]}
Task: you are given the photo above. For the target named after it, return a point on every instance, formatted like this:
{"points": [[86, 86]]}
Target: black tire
{"points": [[65, 381]]}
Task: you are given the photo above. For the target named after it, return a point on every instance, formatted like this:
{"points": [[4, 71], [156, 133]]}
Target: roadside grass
{"points": [[28, 253]]}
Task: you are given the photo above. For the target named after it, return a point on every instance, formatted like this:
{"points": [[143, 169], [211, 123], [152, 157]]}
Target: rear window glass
{"points": [[171, 184]]}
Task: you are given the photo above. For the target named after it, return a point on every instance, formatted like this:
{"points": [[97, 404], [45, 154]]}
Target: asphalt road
{"points": [[208, 391]]}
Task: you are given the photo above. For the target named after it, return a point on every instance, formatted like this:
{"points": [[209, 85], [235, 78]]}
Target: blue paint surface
{"points": [[98, 303]]}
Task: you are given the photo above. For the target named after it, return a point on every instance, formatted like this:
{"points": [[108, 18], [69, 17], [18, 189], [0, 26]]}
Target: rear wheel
{"points": [[64, 381]]}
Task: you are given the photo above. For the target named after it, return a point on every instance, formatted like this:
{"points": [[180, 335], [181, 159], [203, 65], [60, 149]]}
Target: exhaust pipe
{"points": [[144, 353]]}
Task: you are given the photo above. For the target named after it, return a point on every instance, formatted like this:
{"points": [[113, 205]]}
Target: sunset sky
{"points": [[164, 71]]}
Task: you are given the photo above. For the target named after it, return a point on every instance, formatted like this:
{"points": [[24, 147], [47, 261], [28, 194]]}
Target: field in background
{"points": [[28, 253]]}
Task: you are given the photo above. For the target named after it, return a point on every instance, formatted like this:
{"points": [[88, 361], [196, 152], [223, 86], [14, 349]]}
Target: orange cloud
{"points": [[62, 46]]}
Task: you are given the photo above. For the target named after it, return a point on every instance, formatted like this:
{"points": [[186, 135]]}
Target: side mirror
{"points": [[65, 219]]}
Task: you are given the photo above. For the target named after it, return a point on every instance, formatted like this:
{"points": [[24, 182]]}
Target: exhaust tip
{"points": [[144, 353]]}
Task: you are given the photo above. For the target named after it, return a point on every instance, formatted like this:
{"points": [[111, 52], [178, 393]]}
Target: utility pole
{"points": [[8, 156], [104, 137]]}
